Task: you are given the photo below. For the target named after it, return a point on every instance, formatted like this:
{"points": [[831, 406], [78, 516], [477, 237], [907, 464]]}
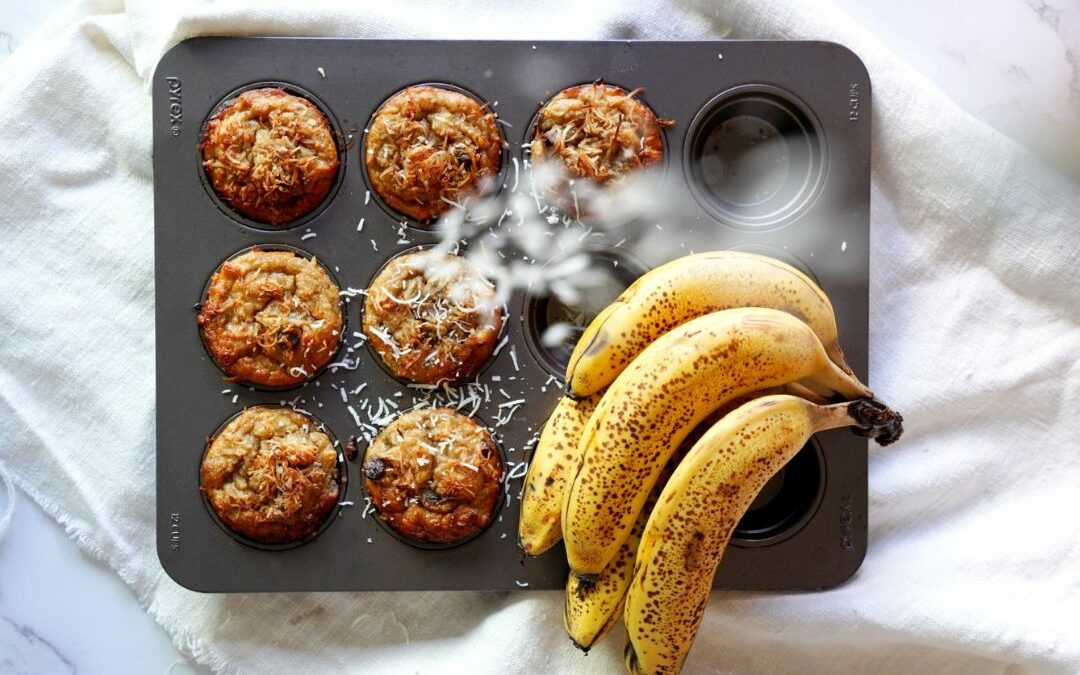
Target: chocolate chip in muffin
{"points": [[434, 475]]}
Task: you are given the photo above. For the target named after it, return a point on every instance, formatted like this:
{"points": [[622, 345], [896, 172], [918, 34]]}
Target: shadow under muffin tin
{"points": [[801, 196]]}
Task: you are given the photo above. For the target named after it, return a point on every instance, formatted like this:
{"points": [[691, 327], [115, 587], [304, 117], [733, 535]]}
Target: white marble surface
{"points": [[1014, 64]]}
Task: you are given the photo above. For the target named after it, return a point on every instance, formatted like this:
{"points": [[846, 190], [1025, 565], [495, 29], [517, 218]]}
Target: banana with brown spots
{"points": [[550, 470], [712, 488], [684, 289], [592, 608], [665, 392]]}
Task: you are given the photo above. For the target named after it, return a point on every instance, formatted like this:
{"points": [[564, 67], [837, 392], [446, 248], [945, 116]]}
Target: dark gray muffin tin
{"points": [[804, 199]]}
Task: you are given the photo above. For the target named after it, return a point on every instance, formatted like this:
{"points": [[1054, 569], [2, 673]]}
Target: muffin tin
{"points": [[802, 197]]}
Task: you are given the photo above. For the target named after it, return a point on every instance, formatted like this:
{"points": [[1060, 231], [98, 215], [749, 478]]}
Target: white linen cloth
{"points": [[974, 558]]}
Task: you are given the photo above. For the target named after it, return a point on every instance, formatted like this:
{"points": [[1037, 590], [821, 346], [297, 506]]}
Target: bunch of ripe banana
{"points": [[645, 515]]}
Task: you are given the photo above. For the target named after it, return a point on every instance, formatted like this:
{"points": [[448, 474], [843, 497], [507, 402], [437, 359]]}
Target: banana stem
{"points": [[832, 377], [866, 416], [876, 420], [812, 391]]}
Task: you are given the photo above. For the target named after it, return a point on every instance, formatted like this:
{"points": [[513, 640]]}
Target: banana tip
{"points": [[876, 420], [523, 548]]}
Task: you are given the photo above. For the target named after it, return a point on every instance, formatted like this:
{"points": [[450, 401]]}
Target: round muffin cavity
{"points": [[270, 155], [428, 147], [271, 475], [271, 318], [434, 476], [597, 131], [431, 317]]}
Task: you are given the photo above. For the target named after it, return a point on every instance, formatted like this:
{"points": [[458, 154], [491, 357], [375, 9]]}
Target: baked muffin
{"points": [[270, 155], [434, 475], [271, 475], [271, 318], [429, 146], [597, 131], [432, 317]]}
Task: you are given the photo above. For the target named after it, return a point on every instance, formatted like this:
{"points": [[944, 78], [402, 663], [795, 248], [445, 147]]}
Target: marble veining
{"points": [[24, 651]]}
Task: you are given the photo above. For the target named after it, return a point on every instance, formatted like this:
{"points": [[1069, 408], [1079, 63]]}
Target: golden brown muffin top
{"points": [[271, 318], [271, 475], [270, 155], [598, 131], [432, 317], [427, 147], [434, 475]]}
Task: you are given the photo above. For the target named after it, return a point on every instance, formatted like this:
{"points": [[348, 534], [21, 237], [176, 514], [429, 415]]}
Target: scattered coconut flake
{"points": [[344, 363], [309, 235], [518, 471], [321, 72], [360, 226]]}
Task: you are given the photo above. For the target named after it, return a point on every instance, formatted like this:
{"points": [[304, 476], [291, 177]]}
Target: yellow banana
{"points": [[664, 393], [708, 493], [592, 608], [686, 288], [552, 466]]}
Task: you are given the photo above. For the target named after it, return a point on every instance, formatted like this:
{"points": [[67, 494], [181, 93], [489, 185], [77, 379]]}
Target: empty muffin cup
{"points": [[786, 503], [754, 157], [555, 317]]}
